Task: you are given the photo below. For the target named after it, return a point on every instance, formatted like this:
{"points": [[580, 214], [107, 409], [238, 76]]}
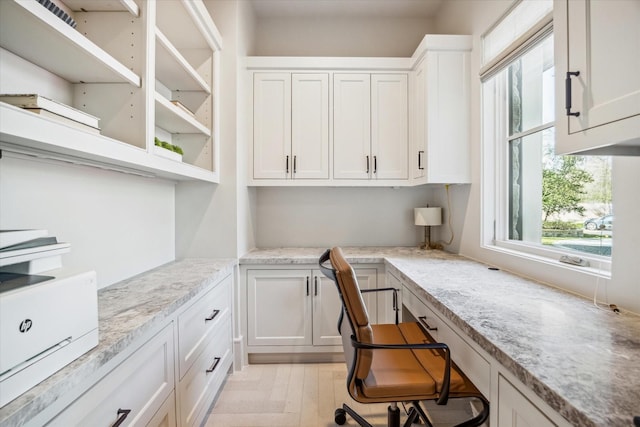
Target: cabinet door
{"points": [[515, 410], [327, 304], [604, 46], [310, 126], [271, 125], [352, 126], [389, 126], [279, 307]]}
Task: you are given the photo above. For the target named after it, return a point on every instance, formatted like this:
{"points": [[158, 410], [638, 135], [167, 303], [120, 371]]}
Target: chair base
{"points": [[415, 415]]}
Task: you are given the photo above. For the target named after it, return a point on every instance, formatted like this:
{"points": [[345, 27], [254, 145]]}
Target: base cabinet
{"points": [[170, 379], [132, 393], [294, 309], [515, 410]]}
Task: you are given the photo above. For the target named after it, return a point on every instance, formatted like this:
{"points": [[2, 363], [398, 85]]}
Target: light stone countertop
{"points": [[583, 361], [127, 310]]}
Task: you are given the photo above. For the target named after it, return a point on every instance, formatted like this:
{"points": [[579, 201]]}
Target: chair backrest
{"points": [[356, 313]]}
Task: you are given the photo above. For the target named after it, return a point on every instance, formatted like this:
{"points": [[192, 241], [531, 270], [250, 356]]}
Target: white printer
{"points": [[44, 327]]}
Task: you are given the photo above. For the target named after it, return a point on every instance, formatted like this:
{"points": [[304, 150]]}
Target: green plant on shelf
{"points": [[166, 145]]}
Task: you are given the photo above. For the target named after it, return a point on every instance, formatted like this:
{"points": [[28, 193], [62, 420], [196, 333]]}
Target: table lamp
{"points": [[427, 217]]}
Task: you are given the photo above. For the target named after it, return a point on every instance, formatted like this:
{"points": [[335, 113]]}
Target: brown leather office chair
{"points": [[392, 362]]}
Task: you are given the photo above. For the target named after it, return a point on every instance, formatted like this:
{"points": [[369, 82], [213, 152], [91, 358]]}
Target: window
{"points": [[535, 201]]}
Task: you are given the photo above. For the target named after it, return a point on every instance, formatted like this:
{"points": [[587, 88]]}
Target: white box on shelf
{"points": [[160, 151]]}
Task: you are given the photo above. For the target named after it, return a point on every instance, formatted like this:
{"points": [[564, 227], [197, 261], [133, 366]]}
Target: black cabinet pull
{"points": [[122, 415], [567, 93], [423, 320], [287, 165], [307, 285], [315, 286], [375, 164], [214, 366], [367, 164], [295, 164], [420, 154], [212, 316]]}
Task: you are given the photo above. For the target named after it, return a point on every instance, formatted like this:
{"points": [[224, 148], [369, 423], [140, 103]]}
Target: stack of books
{"points": [[55, 110], [30, 251]]}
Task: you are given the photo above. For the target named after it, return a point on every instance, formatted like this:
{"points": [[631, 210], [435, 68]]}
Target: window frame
{"points": [[494, 233]]}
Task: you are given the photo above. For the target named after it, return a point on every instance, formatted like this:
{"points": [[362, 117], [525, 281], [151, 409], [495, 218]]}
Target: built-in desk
{"points": [[576, 363]]}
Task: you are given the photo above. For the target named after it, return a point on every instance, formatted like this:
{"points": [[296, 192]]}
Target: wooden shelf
{"points": [[173, 70], [175, 120], [32, 32], [24, 132]]}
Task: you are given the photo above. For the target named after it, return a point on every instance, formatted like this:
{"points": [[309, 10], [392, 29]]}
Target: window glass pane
{"points": [[516, 23], [560, 201], [531, 89]]}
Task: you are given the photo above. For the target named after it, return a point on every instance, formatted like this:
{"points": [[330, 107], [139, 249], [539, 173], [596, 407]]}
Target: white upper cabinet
{"points": [[597, 48], [389, 126], [370, 136], [310, 126], [352, 126], [362, 121], [291, 126], [440, 149], [106, 67], [271, 125]]}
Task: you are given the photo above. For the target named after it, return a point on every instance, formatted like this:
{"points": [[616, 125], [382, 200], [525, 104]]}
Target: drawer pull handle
{"points": [[420, 154], [423, 320], [213, 315], [213, 367], [122, 415]]}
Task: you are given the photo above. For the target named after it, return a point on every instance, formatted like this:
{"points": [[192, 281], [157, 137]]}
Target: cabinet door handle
{"points": [[420, 154], [423, 320], [307, 285], [375, 164], [295, 164], [212, 316], [122, 415], [567, 93], [367, 164], [214, 366], [287, 165], [315, 286]]}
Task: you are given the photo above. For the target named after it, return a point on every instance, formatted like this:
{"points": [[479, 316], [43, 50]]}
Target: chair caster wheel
{"points": [[340, 416]]}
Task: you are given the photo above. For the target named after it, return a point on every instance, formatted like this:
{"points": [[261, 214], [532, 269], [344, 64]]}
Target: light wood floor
{"points": [[304, 395]]}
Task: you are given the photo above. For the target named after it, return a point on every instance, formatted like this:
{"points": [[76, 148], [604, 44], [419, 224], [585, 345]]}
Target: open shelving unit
{"points": [[110, 63]]}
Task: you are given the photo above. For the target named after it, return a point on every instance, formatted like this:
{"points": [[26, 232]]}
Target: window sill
{"points": [[598, 266]]}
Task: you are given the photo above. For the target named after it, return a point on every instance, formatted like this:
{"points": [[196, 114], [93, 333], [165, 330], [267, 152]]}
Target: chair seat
{"points": [[406, 374]]}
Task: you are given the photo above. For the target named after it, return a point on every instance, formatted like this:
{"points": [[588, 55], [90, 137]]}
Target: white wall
{"points": [[117, 224], [215, 220], [339, 36], [298, 217], [474, 17]]}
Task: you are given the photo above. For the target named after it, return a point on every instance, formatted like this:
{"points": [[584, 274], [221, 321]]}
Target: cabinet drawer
{"points": [[139, 385], [476, 367], [199, 320], [202, 381]]}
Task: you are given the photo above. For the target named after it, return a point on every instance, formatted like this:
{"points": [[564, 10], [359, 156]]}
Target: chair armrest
{"points": [[394, 302], [446, 379]]}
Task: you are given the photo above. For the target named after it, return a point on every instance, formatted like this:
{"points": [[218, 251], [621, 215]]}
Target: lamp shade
{"points": [[427, 216]]}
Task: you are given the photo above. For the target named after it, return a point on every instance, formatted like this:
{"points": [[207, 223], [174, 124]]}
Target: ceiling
{"points": [[346, 8]]}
